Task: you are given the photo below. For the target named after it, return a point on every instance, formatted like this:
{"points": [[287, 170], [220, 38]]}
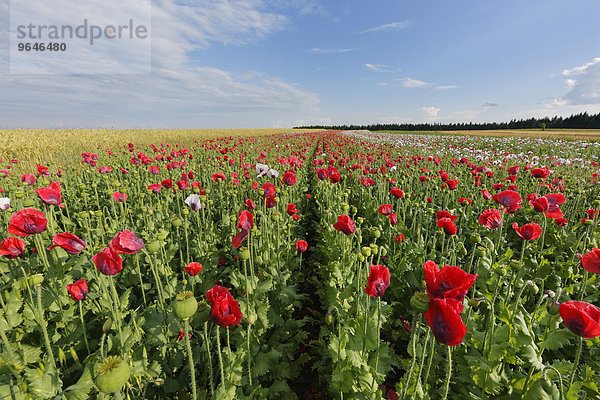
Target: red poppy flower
{"points": [[155, 188], [108, 261], [218, 177], [393, 219], [397, 193], [429, 199], [368, 182], [119, 197], [68, 242], [464, 201], [530, 231], [182, 185], [270, 202], [28, 179], [445, 214], [497, 186], [509, 199], [540, 173], [345, 224], [443, 317], [491, 219], [561, 221], [385, 209], [452, 183], [28, 221], [289, 178], [153, 169], [592, 213], [269, 190], [301, 246], [12, 247], [400, 238], [379, 280], [126, 243], [514, 170], [486, 194], [581, 318], [239, 238], [224, 310], [591, 261], [322, 174], [291, 209], [335, 177], [392, 395], [193, 268], [250, 204], [167, 183], [448, 283], [245, 220], [447, 225], [78, 289], [50, 195]]}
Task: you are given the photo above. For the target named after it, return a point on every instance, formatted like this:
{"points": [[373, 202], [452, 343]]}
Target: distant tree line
{"points": [[575, 121]]}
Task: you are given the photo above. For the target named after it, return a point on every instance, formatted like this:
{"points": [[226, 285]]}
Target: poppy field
{"points": [[314, 265]]}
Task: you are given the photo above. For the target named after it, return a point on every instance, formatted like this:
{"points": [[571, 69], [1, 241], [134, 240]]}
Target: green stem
{"points": [[43, 324], [220, 356], [210, 366], [449, 374], [430, 360], [6, 343], [415, 338], [87, 346], [560, 384], [186, 332], [576, 364], [249, 356], [423, 354], [378, 329]]}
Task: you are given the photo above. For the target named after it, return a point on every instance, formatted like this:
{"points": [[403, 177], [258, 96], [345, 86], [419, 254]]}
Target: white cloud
{"points": [[319, 50], [489, 104], [446, 87], [379, 67], [394, 26], [431, 111], [414, 83], [180, 91], [583, 83]]}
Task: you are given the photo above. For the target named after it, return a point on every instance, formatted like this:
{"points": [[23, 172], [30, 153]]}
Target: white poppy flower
{"points": [[4, 203], [193, 200]]}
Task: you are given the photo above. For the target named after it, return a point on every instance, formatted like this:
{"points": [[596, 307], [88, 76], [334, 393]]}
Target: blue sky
{"points": [[280, 63]]}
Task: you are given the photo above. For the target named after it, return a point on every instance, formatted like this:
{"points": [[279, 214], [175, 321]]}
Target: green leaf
{"points": [[557, 340], [265, 361], [535, 391]]}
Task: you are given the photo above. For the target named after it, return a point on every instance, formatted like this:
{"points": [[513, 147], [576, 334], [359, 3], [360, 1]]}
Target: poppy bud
{"points": [[36, 280], [185, 305], [376, 232], [345, 208], [587, 222], [328, 318], [462, 249], [84, 214], [419, 302], [211, 202], [107, 325], [232, 218], [514, 265], [474, 302], [546, 385], [553, 307], [207, 191], [244, 254], [597, 202], [550, 293], [276, 217], [360, 220], [98, 213], [480, 251], [196, 190], [153, 246], [261, 191], [185, 211], [383, 251], [176, 222], [360, 257], [366, 251], [533, 288], [94, 185], [251, 319], [374, 248], [19, 195], [353, 210]]}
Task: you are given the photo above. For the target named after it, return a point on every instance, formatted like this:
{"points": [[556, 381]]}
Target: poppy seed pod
{"points": [[112, 374], [185, 305]]}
